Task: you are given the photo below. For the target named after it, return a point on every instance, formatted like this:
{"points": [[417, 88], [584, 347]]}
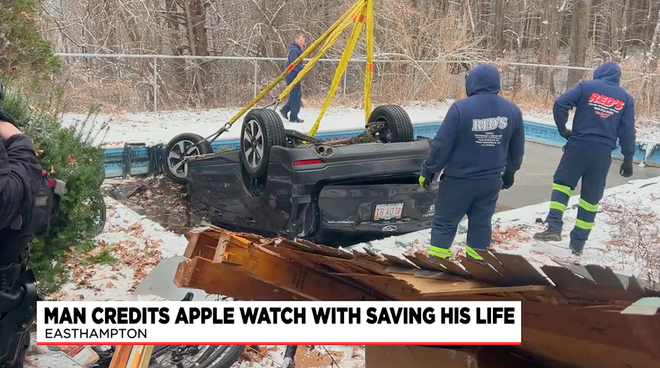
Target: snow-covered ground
{"points": [[131, 245], [160, 127], [625, 238]]}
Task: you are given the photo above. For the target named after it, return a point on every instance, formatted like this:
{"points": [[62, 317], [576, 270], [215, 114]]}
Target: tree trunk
{"points": [[580, 22]]}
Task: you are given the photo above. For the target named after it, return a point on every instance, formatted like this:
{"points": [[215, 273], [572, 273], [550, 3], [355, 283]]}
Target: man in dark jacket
{"points": [[480, 146], [20, 171], [605, 112], [295, 97]]}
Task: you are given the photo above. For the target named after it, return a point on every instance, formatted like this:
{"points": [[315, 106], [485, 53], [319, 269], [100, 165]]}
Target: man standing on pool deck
{"points": [[295, 96], [480, 146], [605, 111]]}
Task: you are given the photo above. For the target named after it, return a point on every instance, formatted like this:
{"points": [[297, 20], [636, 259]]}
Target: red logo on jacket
{"points": [[606, 101]]}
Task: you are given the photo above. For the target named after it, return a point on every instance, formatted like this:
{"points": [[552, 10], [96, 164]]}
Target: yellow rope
{"points": [[309, 50], [341, 68], [369, 69]]}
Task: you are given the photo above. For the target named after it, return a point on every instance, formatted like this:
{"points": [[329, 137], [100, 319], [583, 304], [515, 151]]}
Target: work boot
{"points": [[284, 113], [297, 120], [577, 247], [548, 235]]}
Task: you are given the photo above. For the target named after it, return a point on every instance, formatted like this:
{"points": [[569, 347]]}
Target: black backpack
{"points": [[46, 203]]}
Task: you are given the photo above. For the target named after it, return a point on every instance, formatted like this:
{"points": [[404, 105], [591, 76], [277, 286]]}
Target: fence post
{"points": [[256, 72], [155, 85], [345, 72]]}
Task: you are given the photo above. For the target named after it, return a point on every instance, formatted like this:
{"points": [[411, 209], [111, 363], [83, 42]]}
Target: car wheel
{"points": [[262, 129], [179, 147], [103, 212], [397, 124]]}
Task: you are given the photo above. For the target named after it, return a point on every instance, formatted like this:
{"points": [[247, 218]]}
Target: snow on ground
{"points": [[160, 127], [129, 247], [625, 235], [127, 250], [624, 238], [153, 128]]}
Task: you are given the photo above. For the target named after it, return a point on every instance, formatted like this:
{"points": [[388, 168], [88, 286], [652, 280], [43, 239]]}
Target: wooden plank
{"points": [[201, 245], [482, 272], [604, 276], [573, 286], [563, 350], [634, 287], [424, 274], [410, 271], [424, 263], [485, 290], [454, 268], [141, 356], [580, 270], [396, 261], [595, 326], [217, 279], [427, 264], [331, 264], [519, 269], [566, 279], [429, 288], [494, 262], [298, 279], [390, 287], [121, 356], [551, 297]]}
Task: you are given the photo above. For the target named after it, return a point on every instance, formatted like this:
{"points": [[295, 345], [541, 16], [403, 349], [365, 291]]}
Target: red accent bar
{"points": [[307, 162], [216, 343], [353, 16], [290, 67], [362, 18], [371, 67]]}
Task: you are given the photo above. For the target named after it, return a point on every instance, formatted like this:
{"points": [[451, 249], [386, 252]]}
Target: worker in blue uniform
{"points": [[604, 112], [480, 147]]}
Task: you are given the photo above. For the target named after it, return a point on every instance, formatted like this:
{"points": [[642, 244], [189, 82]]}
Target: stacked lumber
{"points": [[571, 314]]}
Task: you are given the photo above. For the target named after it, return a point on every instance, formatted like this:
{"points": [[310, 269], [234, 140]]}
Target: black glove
{"points": [[566, 133], [626, 169], [507, 180]]}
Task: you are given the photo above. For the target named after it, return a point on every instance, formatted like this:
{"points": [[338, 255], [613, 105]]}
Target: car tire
{"points": [[174, 151], [103, 213], [262, 129], [399, 127]]}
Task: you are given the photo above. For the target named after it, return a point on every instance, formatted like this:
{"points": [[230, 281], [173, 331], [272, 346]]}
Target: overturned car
{"points": [[284, 183]]}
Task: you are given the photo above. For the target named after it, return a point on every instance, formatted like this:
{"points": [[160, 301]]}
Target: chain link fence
{"points": [[139, 83]]}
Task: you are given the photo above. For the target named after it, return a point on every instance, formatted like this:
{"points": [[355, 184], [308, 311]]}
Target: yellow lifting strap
{"points": [[346, 21], [341, 68], [305, 53], [369, 69]]}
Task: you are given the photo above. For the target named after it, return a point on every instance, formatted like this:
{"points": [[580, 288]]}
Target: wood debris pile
{"points": [[571, 314]]}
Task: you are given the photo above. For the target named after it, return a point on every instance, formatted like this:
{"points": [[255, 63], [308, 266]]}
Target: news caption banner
{"points": [[279, 323]]}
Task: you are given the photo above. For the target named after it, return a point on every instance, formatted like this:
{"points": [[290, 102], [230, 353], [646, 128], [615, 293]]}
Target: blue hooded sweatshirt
{"points": [[605, 111], [481, 136], [294, 52]]}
